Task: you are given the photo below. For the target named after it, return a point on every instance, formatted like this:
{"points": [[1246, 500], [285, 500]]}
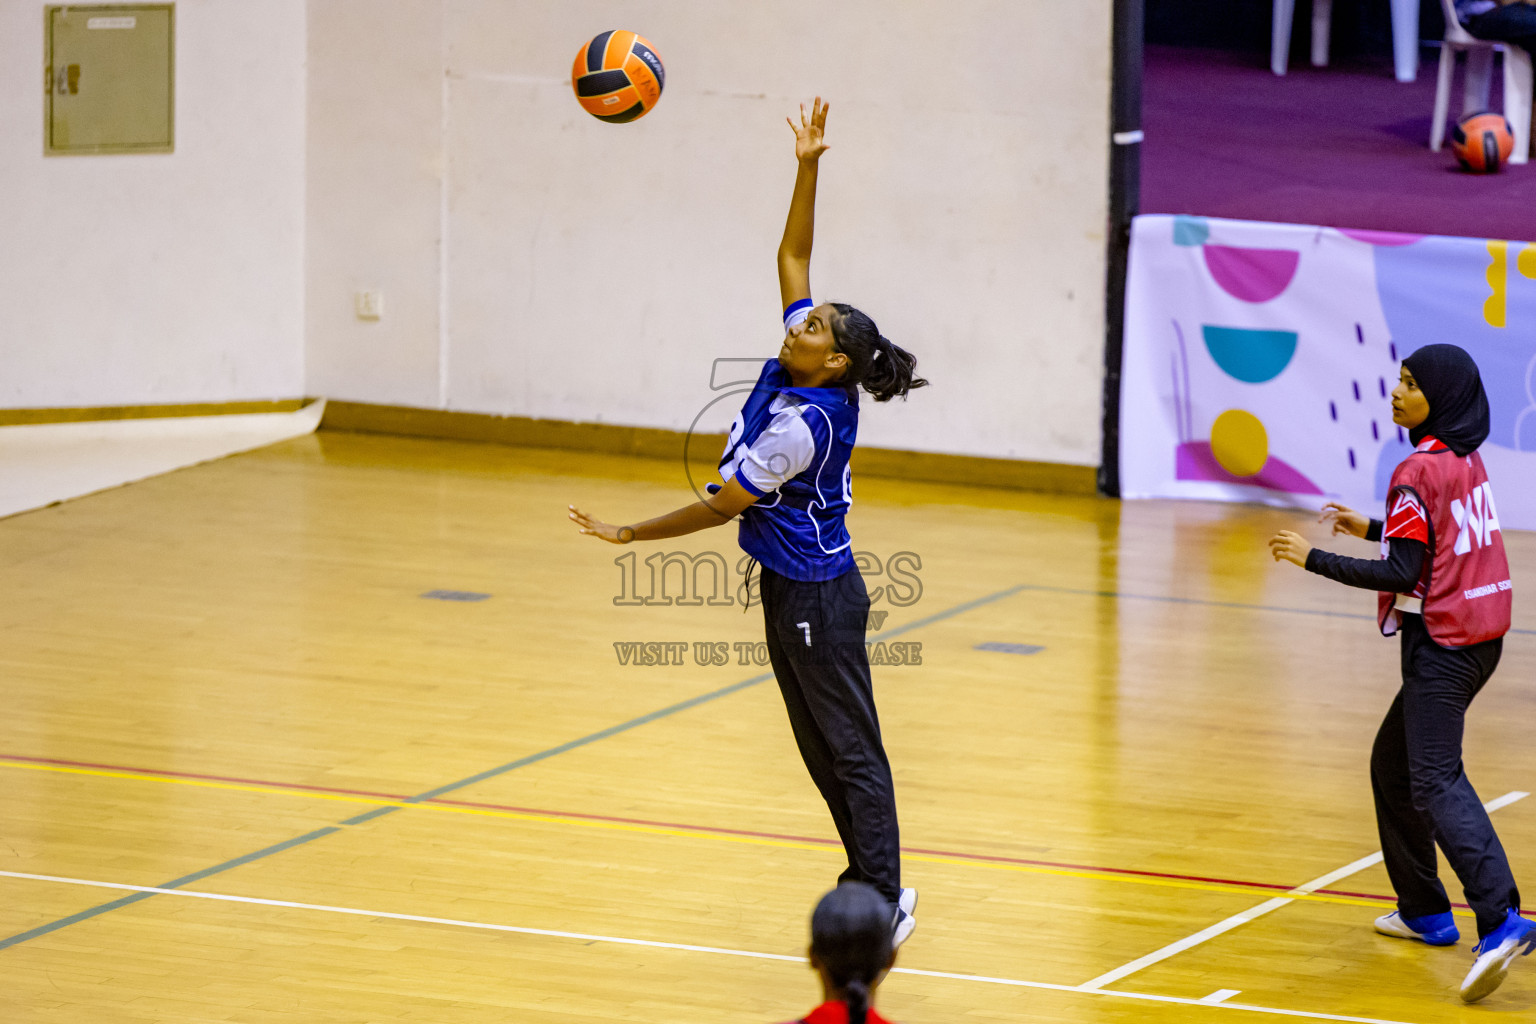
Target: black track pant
{"points": [[1422, 794], [1515, 23], [816, 644]]}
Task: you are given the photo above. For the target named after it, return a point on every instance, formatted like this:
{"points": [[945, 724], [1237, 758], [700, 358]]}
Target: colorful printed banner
{"points": [[1259, 358]]}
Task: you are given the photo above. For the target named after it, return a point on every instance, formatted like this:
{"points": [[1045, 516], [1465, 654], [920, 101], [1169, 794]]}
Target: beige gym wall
{"points": [[155, 279], [536, 262]]}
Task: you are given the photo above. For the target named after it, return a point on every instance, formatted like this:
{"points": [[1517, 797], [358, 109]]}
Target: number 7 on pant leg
{"points": [[807, 627]]}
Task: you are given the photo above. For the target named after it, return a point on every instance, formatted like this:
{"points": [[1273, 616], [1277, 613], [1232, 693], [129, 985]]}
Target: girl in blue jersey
{"points": [[785, 472]]}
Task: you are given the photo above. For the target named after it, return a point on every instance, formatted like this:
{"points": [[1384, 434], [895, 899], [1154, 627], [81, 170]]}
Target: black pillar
{"points": [[1124, 201]]}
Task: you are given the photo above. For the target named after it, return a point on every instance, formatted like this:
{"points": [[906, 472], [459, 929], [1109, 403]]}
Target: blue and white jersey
{"points": [[789, 447]]}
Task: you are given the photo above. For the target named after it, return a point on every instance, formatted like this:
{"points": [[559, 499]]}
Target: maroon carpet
{"points": [[1343, 146]]}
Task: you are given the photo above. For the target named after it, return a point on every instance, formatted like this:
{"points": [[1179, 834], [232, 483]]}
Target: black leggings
{"points": [[1515, 23], [1422, 794], [816, 644]]}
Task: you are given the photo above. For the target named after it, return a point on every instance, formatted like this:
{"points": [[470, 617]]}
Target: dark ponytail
{"points": [[851, 939], [857, 1001], [877, 365]]}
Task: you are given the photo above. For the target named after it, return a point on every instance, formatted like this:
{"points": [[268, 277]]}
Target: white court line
{"points": [[396, 917], [980, 978], [1190, 941], [1221, 995], [1504, 801]]}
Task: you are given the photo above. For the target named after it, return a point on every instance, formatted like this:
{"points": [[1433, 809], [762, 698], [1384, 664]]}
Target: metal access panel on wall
{"points": [[110, 78]]}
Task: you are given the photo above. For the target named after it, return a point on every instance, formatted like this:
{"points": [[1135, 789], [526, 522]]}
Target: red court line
{"points": [[400, 797]]}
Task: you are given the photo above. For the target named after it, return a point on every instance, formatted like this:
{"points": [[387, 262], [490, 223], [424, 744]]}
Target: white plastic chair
{"points": [[1479, 77], [1405, 36], [1280, 44]]}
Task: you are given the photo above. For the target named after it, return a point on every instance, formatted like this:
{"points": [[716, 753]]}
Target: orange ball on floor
{"points": [[1482, 142]]}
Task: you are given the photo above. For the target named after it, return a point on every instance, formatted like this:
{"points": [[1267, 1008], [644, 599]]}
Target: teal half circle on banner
{"points": [[1250, 354]]}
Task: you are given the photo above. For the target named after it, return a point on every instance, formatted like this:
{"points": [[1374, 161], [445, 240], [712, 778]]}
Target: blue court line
{"points": [[1167, 599], [490, 773], [83, 915], [673, 709]]}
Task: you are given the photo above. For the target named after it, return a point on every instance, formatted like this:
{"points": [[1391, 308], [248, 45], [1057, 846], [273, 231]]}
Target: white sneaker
{"points": [[1515, 937], [903, 923]]}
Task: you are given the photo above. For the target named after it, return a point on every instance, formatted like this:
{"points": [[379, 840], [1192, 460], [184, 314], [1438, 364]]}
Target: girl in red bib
{"points": [[851, 951], [1444, 585]]}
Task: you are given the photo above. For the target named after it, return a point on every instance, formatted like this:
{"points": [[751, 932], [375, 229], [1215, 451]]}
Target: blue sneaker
{"points": [[1435, 929], [1498, 949]]}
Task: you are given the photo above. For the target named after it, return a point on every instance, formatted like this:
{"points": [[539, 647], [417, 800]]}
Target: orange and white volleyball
{"points": [[617, 76]]}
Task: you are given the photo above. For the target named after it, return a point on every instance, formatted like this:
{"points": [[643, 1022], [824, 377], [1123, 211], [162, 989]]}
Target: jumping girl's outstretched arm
{"points": [[794, 284], [795, 248], [721, 507]]}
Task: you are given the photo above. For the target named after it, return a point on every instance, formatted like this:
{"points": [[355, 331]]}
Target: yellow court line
{"points": [[685, 833]]}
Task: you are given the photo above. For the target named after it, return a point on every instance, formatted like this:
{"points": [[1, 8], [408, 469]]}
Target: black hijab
{"points": [[1458, 406]]}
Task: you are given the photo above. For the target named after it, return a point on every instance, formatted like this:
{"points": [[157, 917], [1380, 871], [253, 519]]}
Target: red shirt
{"points": [[836, 1012], [1466, 588], [1406, 520]]}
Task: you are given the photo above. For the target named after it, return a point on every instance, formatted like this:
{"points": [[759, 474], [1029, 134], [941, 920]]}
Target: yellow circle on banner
{"points": [[1239, 442]]}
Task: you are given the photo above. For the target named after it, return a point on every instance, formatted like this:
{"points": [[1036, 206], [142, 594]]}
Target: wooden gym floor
{"points": [[1131, 765]]}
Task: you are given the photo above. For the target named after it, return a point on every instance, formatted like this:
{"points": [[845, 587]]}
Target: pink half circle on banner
{"points": [[1380, 237], [1253, 275], [1193, 460]]}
